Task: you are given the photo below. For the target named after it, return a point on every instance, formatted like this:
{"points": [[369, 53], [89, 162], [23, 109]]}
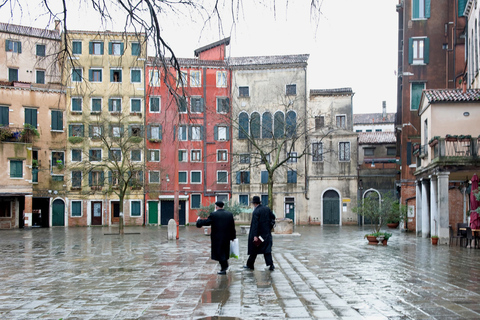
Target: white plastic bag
{"points": [[234, 249]]}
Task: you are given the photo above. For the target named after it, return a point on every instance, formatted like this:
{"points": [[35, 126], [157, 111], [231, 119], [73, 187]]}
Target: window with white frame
{"points": [[344, 151], [182, 156], [115, 154], [76, 179], [16, 169], [40, 76], [13, 46], [195, 78], [196, 201], [420, 9], [222, 177], [222, 197], [136, 75], [76, 155], [291, 89], [116, 75], [292, 157], [115, 104], [221, 133], [182, 133], [154, 132], [58, 158], [196, 133], [243, 91], [96, 47], [136, 155], [77, 74], [341, 121], [317, 151], [77, 103], [221, 79], [116, 48], [244, 158], [183, 177], [154, 155], [96, 105], [196, 104], [195, 155], [154, 177], [95, 75], [154, 105], [154, 76], [418, 50], [195, 177], [243, 199], [182, 79], [222, 155], [135, 208], [95, 155], [135, 105], [223, 105], [76, 208], [95, 131], [116, 130]]}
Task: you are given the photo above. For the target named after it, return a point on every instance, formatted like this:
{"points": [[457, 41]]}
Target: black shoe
{"points": [[248, 267], [222, 272], [272, 267]]}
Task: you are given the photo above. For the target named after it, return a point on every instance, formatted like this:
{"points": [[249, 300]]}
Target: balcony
{"points": [[450, 151], [17, 134]]}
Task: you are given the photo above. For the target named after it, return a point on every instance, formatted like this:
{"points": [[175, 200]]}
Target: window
{"points": [[76, 155], [368, 151], [12, 74], [416, 94], [77, 74], [76, 207], [196, 201], [267, 132], [154, 177], [391, 151], [135, 208], [195, 133], [182, 156], [196, 104], [116, 130], [136, 75], [96, 105], [115, 48], [196, 177], [58, 158], [135, 48], [243, 124], [222, 197], [243, 177], [134, 130], [77, 179], [136, 179], [182, 105], [358, 130], [243, 91], [221, 79], [95, 131], [154, 76], [95, 154], [154, 155], [368, 130], [243, 199], [292, 157], [291, 176], [31, 117], [182, 79], [16, 168], [195, 155], [115, 155], [40, 76], [13, 46], [264, 177], [222, 177], [57, 120], [182, 133], [154, 104], [420, 9], [40, 50], [255, 125], [135, 105], [221, 133], [75, 130], [341, 121], [344, 151], [116, 75], [223, 105], [182, 177], [195, 79], [136, 155], [291, 90], [245, 158], [96, 47], [154, 132], [77, 104], [76, 47], [95, 75], [378, 130], [222, 155], [291, 124], [279, 125], [317, 151], [319, 122], [115, 105], [4, 116], [419, 51]]}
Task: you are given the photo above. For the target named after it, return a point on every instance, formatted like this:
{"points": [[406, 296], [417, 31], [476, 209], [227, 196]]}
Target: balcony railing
{"points": [[464, 149], [17, 134]]}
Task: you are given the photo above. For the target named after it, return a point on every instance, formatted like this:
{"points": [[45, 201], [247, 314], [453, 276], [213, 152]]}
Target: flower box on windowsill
{"points": [[96, 187], [75, 188], [139, 114], [155, 140], [76, 113], [115, 113]]}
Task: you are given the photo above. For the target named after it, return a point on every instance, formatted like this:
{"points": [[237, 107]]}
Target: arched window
{"points": [[279, 125], [267, 125], [291, 121], [255, 125], [243, 125]]}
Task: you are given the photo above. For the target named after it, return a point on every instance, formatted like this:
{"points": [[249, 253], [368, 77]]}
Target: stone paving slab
{"points": [[321, 273]]}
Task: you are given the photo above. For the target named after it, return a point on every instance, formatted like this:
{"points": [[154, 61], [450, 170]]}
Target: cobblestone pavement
{"points": [[325, 273]]}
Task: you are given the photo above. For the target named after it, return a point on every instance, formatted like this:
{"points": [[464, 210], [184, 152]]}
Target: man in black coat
{"points": [[262, 223], [223, 230]]}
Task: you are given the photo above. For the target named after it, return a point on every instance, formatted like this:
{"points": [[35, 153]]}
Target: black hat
{"points": [[256, 199], [219, 204]]}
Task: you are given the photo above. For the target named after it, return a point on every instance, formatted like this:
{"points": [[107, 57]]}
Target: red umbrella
{"points": [[474, 204]]}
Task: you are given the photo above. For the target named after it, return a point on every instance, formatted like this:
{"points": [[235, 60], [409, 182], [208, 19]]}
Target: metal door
{"points": [[153, 212], [115, 212], [58, 213], [331, 207], [96, 213], [166, 212], [290, 208]]}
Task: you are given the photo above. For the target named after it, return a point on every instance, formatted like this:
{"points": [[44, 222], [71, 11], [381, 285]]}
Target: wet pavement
{"points": [[325, 273]]}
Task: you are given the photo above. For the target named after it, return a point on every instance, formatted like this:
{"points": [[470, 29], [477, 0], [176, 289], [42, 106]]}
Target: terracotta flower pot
{"points": [[384, 242], [372, 240], [393, 225], [434, 241]]}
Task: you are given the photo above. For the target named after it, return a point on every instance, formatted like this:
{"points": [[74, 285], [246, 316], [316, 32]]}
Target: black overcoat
{"points": [[223, 230], [261, 225]]}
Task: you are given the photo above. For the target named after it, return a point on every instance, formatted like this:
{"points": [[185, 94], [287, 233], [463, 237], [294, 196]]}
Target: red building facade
{"points": [[188, 134]]}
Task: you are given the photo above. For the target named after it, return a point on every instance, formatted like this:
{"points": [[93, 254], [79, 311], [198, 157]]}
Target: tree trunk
{"points": [[120, 218], [270, 191]]}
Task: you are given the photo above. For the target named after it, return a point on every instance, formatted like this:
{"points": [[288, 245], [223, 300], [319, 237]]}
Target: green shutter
{"points": [[160, 132], [121, 48], [427, 8], [426, 50], [410, 50], [461, 7], [7, 44], [215, 133], [19, 47], [110, 49], [90, 75], [90, 47], [415, 9], [54, 120], [4, 116], [101, 48]]}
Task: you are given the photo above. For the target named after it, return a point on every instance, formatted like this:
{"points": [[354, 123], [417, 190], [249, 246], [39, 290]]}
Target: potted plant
{"points": [[386, 236], [434, 240], [234, 207]]}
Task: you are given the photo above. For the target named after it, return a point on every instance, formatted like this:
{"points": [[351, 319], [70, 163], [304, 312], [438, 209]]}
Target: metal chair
{"points": [[453, 236], [462, 233], [469, 237]]}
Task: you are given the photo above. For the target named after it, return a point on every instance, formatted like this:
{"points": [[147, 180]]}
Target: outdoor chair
{"points": [[454, 237], [469, 238], [462, 233]]}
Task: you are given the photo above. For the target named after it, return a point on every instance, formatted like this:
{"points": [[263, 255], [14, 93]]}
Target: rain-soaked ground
{"points": [[325, 273]]}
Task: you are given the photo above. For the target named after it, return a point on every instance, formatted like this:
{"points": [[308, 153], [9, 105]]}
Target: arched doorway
{"points": [[58, 213], [331, 207], [374, 195]]}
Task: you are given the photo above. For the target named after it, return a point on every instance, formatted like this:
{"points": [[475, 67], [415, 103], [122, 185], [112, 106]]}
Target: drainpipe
{"points": [[204, 131], [305, 133]]}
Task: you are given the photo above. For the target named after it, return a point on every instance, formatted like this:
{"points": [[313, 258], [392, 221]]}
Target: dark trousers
{"points": [[252, 257], [223, 264]]}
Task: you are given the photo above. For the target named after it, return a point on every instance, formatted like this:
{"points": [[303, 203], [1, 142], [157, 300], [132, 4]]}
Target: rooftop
{"points": [[29, 31], [451, 95], [331, 92], [376, 137], [373, 118], [268, 60]]}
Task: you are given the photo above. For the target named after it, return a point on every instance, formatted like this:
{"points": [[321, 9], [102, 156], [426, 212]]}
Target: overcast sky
{"points": [[354, 43]]}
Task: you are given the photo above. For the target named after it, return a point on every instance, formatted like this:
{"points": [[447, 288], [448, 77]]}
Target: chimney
{"points": [[384, 109], [57, 25]]}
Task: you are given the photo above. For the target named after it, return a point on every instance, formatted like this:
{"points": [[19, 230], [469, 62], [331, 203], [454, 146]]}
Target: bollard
{"points": [[172, 230]]}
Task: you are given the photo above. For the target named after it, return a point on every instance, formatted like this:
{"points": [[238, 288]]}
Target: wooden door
{"points": [[331, 207], [115, 212], [153, 212], [58, 213], [96, 213]]}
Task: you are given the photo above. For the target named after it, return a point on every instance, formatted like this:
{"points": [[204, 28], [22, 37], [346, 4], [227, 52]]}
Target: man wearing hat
{"points": [[263, 220], [223, 230]]}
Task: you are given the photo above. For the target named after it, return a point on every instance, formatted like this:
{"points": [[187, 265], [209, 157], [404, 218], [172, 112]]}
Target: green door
{"points": [[153, 212], [331, 207], [290, 208], [58, 213]]}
